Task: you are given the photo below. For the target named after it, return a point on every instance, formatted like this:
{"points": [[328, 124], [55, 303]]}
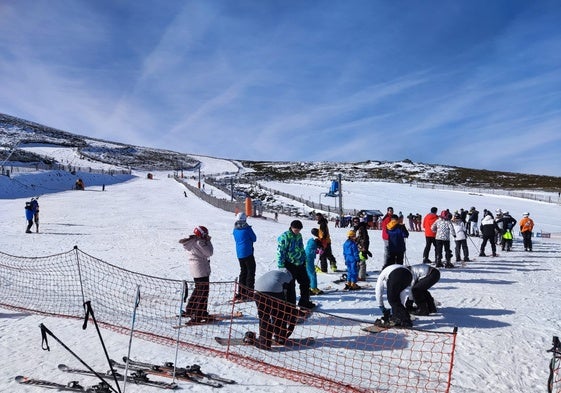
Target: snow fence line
{"points": [[341, 357]]}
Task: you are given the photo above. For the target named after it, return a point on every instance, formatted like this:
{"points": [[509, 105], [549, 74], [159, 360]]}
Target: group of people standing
{"points": [[295, 263], [406, 286], [441, 228]]}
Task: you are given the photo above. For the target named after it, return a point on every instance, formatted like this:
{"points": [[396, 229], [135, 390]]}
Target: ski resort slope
{"points": [[506, 308]]}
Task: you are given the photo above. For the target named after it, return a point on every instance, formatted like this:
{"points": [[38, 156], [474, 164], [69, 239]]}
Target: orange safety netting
{"points": [[340, 358]]}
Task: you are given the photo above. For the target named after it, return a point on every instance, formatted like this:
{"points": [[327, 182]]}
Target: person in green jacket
{"points": [[292, 256]]}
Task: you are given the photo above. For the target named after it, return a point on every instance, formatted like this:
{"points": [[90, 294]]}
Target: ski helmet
{"points": [[200, 231]]}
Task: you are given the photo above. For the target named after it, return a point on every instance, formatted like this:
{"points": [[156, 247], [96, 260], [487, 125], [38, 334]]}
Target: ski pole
{"points": [[184, 294], [45, 346], [554, 363], [136, 303], [475, 245], [89, 311]]}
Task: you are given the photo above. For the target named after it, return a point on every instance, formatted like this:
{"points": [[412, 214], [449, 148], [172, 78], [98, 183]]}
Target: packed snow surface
{"points": [[506, 308]]}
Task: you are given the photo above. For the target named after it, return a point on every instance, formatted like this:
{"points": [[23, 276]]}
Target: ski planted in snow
{"points": [[190, 373], [72, 386], [137, 377]]}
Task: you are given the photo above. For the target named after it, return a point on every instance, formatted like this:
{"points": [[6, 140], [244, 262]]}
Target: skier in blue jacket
{"points": [[313, 247], [29, 216], [351, 254], [245, 237]]}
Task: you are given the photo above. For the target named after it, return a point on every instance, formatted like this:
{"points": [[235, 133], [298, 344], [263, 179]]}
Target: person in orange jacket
{"points": [[430, 235], [526, 227], [325, 241]]}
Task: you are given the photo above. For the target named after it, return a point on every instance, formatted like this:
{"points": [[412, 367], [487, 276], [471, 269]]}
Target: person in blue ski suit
{"points": [[313, 247], [352, 258]]}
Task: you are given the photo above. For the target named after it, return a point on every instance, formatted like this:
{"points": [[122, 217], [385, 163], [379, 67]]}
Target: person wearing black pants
{"points": [[424, 277], [292, 257], [244, 237], [430, 235], [199, 249], [301, 276], [325, 240], [488, 229], [197, 305], [277, 317], [396, 279]]}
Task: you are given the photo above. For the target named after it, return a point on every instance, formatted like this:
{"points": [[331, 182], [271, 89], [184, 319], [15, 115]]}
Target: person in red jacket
{"points": [[430, 235]]}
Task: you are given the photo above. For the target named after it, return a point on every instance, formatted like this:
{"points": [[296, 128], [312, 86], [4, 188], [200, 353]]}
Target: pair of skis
{"points": [[72, 386], [190, 373], [139, 376]]}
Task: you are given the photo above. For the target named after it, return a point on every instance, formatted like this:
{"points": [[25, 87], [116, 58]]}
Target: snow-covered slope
{"points": [[504, 307]]}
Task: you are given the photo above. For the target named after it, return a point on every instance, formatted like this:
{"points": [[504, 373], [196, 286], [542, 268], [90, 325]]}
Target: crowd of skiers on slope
{"points": [[407, 287]]}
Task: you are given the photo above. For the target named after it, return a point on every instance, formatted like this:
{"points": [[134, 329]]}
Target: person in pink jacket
{"points": [[199, 249]]}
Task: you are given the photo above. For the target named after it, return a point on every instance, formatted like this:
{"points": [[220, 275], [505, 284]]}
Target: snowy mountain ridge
{"points": [[15, 134]]}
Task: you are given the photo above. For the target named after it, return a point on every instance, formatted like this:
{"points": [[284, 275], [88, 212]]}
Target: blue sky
{"points": [[467, 83]]}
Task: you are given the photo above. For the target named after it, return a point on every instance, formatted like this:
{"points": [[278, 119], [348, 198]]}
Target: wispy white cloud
{"points": [[294, 81]]}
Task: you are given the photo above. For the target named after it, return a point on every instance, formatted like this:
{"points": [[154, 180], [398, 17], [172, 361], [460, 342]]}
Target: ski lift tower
{"points": [[336, 191]]}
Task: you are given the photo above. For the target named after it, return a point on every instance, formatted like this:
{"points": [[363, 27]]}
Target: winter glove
{"points": [[363, 255]]}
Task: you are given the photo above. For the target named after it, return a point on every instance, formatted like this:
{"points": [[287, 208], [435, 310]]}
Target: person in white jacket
{"points": [[461, 238], [396, 279], [444, 233], [424, 277], [200, 249]]}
